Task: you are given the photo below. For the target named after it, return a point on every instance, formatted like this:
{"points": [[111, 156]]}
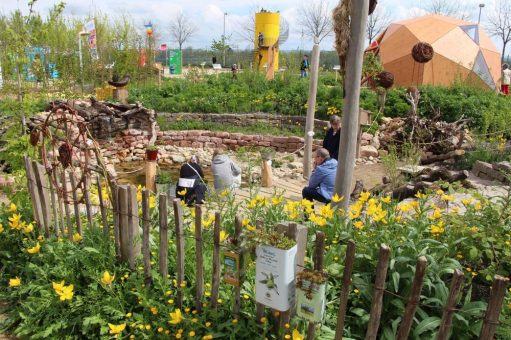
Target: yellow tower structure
{"points": [[267, 31]]}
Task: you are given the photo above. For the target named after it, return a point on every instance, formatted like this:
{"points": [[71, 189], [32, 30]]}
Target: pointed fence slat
{"points": [[199, 260], [44, 196], [379, 289], [491, 318], [76, 204], [180, 250], [345, 289], [60, 199], [123, 221], [215, 285], [146, 251], [102, 208], [117, 218], [454, 291], [259, 306], [67, 209], [133, 227], [319, 252], [32, 189], [54, 206], [88, 205], [164, 239], [238, 224]]}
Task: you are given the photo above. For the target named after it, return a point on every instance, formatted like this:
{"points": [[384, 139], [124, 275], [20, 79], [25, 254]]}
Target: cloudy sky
{"points": [[208, 15]]}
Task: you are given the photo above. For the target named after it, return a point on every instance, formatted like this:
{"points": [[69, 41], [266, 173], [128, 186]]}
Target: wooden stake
{"points": [[379, 288], [117, 218], [54, 210], [60, 199], [199, 260], [319, 252], [146, 251], [454, 291], [76, 204], [66, 206], [123, 221], [133, 226], [345, 289], [150, 175], [164, 239], [238, 224], [259, 306], [102, 209], [491, 318], [180, 250], [413, 300], [34, 197], [215, 286], [44, 197], [88, 205]]}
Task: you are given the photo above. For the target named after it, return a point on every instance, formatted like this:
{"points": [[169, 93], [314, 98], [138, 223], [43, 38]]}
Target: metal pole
{"points": [[223, 41], [350, 119], [311, 108], [480, 9]]}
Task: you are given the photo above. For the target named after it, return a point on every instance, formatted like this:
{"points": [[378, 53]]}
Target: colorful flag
{"points": [[149, 29], [90, 27]]}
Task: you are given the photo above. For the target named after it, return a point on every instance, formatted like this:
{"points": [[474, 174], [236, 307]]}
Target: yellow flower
{"points": [[1, 228], [420, 195], [386, 199], [246, 296], [437, 213], [152, 202], [28, 228], [223, 236], [336, 198], [307, 205], [437, 229], [477, 206], [263, 319], [16, 282], [250, 227], [182, 192], [65, 292], [447, 198], [439, 192], [276, 200], [107, 279], [364, 196], [35, 249], [12, 208], [359, 225], [224, 193], [176, 317], [77, 237], [191, 334], [297, 335], [326, 211], [116, 329], [58, 286], [207, 222], [14, 221]]}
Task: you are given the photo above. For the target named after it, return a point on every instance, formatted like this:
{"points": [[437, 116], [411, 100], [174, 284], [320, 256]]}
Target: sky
{"points": [[208, 15]]}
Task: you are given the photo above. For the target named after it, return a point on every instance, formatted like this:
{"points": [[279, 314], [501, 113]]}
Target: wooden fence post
{"points": [[180, 250], [54, 205], [146, 223], [379, 287], [116, 217], [102, 208], [60, 189], [86, 194], [199, 260], [164, 239], [454, 290], [413, 300], [345, 289], [123, 221], [259, 306], [215, 286], [319, 252], [66, 206], [44, 197], [238, 224], [133, 226], [491, 318], [34, 197], [76, 204]]}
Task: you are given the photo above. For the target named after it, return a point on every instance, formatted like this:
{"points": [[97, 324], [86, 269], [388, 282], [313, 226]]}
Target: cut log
{"points": [[442, 157]]}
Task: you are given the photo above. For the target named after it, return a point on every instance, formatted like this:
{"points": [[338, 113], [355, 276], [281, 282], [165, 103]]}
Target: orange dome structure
{"points": [[462, 52]]}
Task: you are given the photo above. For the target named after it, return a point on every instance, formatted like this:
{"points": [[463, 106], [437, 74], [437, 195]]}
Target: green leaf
{"points": [[473, 253], [395, 278], [429, 324], [91, 250]]}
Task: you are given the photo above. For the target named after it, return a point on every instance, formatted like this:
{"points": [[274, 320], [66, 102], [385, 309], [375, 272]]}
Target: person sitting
{"points": [[191, 186], [332, 137], [322, 179], [226, 174]]}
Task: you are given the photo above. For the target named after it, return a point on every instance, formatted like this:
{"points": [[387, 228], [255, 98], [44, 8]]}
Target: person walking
{"points": [[506, 79], [322, 179], [191, 186], [304, 66], [332, 137], [226, 174]]}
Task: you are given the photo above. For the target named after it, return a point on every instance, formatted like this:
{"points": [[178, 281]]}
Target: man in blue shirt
{"points": [[304, 66], [322, 179]]}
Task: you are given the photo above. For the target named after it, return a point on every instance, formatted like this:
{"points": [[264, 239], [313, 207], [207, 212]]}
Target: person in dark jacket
{"points": [[191, 186], [322, 179], [332, 137]]}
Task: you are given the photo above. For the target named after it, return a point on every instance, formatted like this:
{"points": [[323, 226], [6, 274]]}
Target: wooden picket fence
{"points": [[53, 195]]}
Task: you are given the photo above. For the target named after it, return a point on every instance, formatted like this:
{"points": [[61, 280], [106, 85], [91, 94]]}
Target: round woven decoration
{"points": [[385, 79], [422, 52]]}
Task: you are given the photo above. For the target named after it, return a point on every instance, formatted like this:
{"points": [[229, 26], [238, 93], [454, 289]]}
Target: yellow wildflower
{"points": [[336, 198], [16, 282], [116, 329], [224, 193], [437, 214], [28, 228], [276, 200], [223, 236], [107, 279], [176, 317], [307, 205], [182, 192], [191, 334], [359, 225], [152, 202], [386, 199], [77, 237], [477, 206], [437, 229], [326, 211], [420, 195], [467, 201], [14, 221], [364, 196], [1, 228], [64, 292], [297, 335], [439, 192], [12, 208], [35, 249], [447, 198]]}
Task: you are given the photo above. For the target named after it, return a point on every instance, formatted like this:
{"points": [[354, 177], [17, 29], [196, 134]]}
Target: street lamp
{"points": [[480, 9], [223, 41], [83, 33]]}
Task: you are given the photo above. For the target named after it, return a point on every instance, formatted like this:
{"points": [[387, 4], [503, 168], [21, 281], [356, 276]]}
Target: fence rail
{"points": [[50, 194]]}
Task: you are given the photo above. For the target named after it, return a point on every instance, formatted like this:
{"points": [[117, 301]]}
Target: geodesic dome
{"points": [[462, 52]]}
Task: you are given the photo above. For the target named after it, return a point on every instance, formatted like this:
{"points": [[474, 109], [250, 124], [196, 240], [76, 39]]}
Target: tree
{"points": [[182, 29], [499, 23], [377, 22], [451, 8], [315, 18]]}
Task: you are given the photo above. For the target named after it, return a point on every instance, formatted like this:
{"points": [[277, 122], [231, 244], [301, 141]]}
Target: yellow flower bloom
{"points": [[35, 249], [447, 198], [107, 279], [77, 237], [364, 196], [326, 211], [64, 292], [297, 335], [477, 206], [152, 202], [12, 208], [224, 193], [16, 282], [359, 225], [437, 229], [14, 221], [1, 228], [182, 192], [223, 236], [386, 199], [250, 227], [437, 214], [439, 192], [116, 329], [420, 195], [176, 317], [276, 200], [28, 228], [336, 198], [191, 334]]}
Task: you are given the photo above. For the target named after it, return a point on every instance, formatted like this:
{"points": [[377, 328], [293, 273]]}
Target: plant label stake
{"points": [[232, 268]]}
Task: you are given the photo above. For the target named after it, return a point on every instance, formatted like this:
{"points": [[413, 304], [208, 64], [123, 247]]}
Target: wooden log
{"points": [[150, 175], [318, 257], [102, 208], [491, 318], [66, 206], [259, 306], [413, 300], [88, 205], [454, 291], [44, 196], [345, 289], [409, 190], [116, 217], [133, 226], [443, 157], [146, 223], [238, 224], [164, 240], [379, 288], [443, 174], [123, 221], [215, 285], [199, 260], [180, 250], [32, 189], [76, 204]]}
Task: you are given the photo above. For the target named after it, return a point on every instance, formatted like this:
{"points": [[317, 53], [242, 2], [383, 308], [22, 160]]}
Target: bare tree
{"points": [[499, 23], [182, 29], [451, 8], [377, 22], [316, 19]]}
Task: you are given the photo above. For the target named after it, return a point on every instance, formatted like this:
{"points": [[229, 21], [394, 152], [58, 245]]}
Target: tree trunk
{"points": [[311, 108], [350, 119]]}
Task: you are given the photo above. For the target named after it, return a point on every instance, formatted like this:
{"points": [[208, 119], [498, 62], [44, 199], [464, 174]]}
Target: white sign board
{"points": [[217, 66]]}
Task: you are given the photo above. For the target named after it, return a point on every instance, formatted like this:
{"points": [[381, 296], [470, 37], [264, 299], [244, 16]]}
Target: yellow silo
{"points": [[267, 30]]}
